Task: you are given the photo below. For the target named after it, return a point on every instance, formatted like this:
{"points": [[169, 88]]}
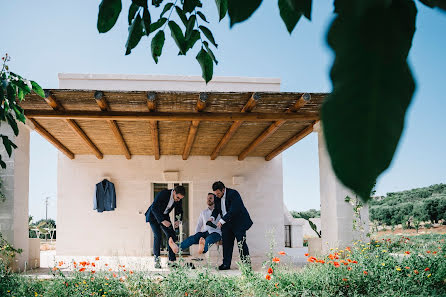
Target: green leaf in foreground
{"points": [[211, 54], [363, 117], [222, 7], [135, 34], [132, 12], [37, 89], [177, 36], [146, 20], [240, 11], [208, 35], [207, 67], [289, 16], [157, 45], [109, 11]]}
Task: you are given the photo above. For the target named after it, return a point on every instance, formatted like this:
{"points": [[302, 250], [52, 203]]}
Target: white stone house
{"points": [[146, 132]]}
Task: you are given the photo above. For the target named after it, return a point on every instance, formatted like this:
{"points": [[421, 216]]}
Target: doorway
{"points": [[158, 187]]}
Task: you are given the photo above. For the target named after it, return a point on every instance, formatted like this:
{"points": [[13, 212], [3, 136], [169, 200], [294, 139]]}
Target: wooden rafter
{"points": [[173, 116], [49, 98], [299, 136], [201, 105], [103, 105], [235, 125], [273, 127], [45, 134], [151, 104]]}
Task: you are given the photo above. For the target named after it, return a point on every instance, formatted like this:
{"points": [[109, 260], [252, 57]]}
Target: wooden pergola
{"points": [[172, 123]]}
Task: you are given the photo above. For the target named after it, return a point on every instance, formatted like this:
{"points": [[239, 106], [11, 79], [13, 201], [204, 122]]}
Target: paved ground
{"points": [[295, 258]]}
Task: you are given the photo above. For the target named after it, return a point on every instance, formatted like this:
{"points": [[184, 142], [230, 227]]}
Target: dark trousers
{"points": [[210, 239], [169, 232], [228, 243]]}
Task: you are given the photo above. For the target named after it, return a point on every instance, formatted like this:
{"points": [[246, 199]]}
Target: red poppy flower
{"points": [[336, 264], [55, 268], [282, 253], [93, 264], [268, 277], [270, 270], [426, 269], [82, 269], [355, 262], [415, 271], [93, 271], [276, 284], [365, 272], [307, 254], [276, 260], [407, 252], [131, 272], [344, 279], [114, 275], [349, 268], [97, 258], [60, 263]]}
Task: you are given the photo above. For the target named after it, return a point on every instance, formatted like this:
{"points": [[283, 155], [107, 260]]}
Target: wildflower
{"points": [[429, 275], [336, 264], [121, 279], [97, 258], [384, 251], [428, 252], [344, 279], [131, 272], [54, 268], [270, 270], [321, 261], [365, 272], [114, 275], [398, 268], [185, 294], [82, 269], [282, 253], [311, 259], [407, 252], [355, 262], [60, 263], [268, 277], [427, 269], [106, 279], [407, 267], [276, 284], [109, 269], [93, 264], [106, 264], [307, 254], [93, 271], [383, 264], [276, 260], [434, 252], [415, 271], [349, 268]]}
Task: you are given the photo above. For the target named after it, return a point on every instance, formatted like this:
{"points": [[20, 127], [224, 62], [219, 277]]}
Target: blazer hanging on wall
{"points": [[105, 197]]}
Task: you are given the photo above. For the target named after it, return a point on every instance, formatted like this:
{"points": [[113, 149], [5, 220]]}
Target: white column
{"points": [[14, 210], [336, 214]]}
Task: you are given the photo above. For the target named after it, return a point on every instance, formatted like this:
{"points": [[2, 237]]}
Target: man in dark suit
{"points": [[158, 217], [234, 222]]}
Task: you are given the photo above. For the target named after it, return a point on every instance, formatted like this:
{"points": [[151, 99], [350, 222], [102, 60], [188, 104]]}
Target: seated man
{"points": [[205, 235]]}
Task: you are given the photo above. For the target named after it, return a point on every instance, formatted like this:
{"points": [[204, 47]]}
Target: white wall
{"points": [[138, 82], [83, 231]]}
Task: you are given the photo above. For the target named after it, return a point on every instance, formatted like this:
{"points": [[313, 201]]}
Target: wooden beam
{"points": [[235, 125], [151, 104], [45, 134], [103, 105], [173, 116], [193, 128], [299, 136], [273, 127], [57, 107]]}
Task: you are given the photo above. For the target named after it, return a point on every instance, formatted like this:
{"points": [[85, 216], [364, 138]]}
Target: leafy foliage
{"points": [[13, 89], [312, 213], [363, 117], [417, 205]]}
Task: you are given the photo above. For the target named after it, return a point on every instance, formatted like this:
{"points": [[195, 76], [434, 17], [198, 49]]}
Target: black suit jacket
{"points": [[105, 196], [237, 215], [156, 210]]}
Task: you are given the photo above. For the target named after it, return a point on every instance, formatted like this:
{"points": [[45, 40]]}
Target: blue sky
{"points": [[48, 37]]}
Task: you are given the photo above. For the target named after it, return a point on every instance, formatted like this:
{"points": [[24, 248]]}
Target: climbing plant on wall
{"points": [[13, 89]]}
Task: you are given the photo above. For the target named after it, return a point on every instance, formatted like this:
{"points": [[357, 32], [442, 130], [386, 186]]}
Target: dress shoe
{"points": [[157, 263], [223, 267]]}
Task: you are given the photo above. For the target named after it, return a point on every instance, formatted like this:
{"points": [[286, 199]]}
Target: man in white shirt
{"points": [[205, 235]]}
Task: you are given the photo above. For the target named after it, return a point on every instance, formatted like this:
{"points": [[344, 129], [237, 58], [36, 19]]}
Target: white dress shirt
{"points": [[202, 220], [223, 207], [169, 205]]}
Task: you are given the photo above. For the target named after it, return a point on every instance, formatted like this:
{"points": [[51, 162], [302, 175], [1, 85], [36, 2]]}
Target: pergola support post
{"points": [[336, 214], [14, 209]]}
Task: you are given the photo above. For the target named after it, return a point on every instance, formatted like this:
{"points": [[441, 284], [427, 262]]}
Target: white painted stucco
{"points": [[140, 82], [83, 231]]}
